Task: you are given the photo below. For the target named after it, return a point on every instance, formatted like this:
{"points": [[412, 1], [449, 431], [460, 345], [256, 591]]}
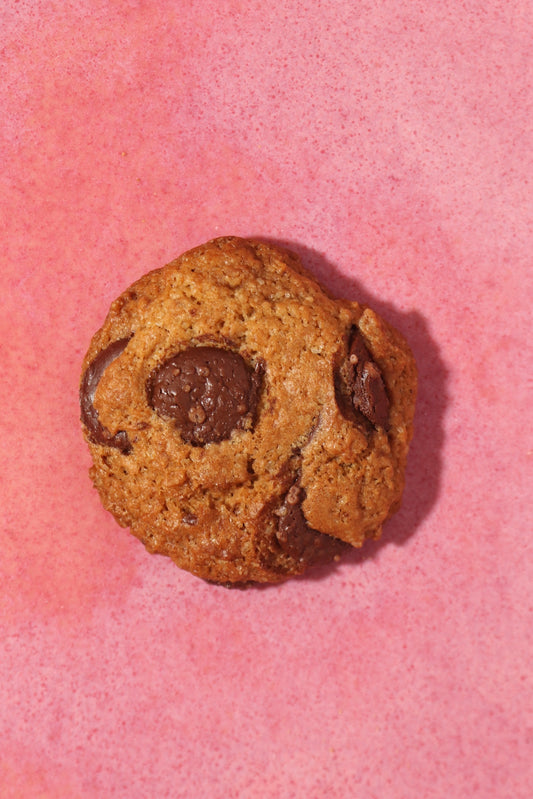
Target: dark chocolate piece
{"points": [[208, 391], [366, 383], [99, 434], [297, 539]]}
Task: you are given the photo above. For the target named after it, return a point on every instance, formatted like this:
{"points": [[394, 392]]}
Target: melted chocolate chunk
{"points": [[366, 384], [99, 434], [208, 391], [298, 540]]}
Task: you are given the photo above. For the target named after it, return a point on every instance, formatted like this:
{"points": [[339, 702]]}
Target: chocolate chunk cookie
{"points": [[241, 420]]}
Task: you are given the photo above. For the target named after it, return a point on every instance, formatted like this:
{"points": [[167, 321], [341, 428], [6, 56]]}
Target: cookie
{"points": [[241, 420]]}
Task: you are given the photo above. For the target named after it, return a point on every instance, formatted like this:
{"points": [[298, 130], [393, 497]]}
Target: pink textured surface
{"points": [[391, 144]]}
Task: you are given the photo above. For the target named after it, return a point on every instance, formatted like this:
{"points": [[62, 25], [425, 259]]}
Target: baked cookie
{"points": [[241, 420]]}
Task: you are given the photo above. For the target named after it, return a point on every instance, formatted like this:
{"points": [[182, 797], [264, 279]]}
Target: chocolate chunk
{"points": [[99, 434], [208, 391], [298, 540], [366, 383]]}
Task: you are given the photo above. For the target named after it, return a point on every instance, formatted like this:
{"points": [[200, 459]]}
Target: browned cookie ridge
{"points": [[241, 420]]}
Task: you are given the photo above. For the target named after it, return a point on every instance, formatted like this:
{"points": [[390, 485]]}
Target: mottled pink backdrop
{"points": [[390, 143]]}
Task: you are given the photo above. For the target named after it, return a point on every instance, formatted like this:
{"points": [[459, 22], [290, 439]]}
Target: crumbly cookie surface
{"points": [[241, 420]]}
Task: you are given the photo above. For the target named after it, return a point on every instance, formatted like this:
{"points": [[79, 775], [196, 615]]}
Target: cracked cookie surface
{"points": [[241, 420]]}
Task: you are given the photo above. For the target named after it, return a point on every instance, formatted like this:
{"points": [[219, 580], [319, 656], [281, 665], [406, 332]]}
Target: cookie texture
{"points": [[241, 420]]}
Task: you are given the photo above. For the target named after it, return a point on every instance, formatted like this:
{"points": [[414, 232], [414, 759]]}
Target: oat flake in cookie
{"points": [[241, 420]]}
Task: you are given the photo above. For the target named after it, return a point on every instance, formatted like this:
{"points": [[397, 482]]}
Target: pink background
{"points": [[390, 143]]}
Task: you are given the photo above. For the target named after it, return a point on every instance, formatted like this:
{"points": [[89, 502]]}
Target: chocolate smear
{"points": [[301, 542], [366, 383], [99, 434]]}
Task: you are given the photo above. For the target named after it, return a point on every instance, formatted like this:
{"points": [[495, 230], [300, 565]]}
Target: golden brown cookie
{"points": [[241, 420]]}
